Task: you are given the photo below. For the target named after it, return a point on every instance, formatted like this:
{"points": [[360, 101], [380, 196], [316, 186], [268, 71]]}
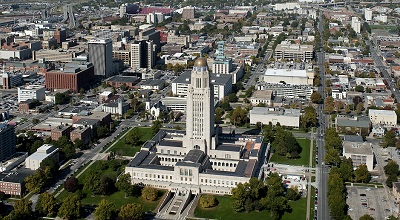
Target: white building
{"points": [[368, 14], [287, 76], [356, 24], [200, 159], [288, 51], [222, 85], [285, 117], [261, 96], [31, 92], [119, 107], [45, 151], [387, 118], [360, 153]]}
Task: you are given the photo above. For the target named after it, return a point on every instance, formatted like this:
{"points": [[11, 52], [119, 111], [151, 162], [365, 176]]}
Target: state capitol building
{"points": [[201, 159]]}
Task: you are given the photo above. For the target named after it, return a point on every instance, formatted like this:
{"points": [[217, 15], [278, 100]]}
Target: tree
{"points": [[131, 211], [102, 131], [157, 124], [359, 108], [104, 211], [46, 205], [61, 98], [133, 137], [316, 97], [390, 179], [106, 186], [219, 112], [390, 139], [391, 168], [22, 210], [346, 169], [71, 184], [329, 105], [239, 116], [35, 121], [78, 143], [92, 181], [366, 217], [309, 118], [34, 182], [359, 88], [292, 194], [208, 201], [149, 193], [362, 174], [70, 208], [332, 156], [284, 143]]}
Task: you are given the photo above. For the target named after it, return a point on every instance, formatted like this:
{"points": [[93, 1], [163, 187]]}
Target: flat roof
{"points": [[125, 79], [275, 111], [381, 112], [17, 176], [363, 148], [193, 156], [286, 73], [215, 79]]}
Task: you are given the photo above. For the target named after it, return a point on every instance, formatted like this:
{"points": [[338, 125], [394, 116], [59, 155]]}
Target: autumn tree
{"points": [[208, 201], [71, 184], [149, 193], [239, 116], [316, 97], [329, 105]]}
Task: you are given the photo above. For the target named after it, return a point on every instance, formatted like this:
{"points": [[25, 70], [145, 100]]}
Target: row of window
{"points": [[149, 175], [223, 164]]}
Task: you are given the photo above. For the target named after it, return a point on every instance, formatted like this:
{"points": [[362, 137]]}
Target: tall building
{"points": [[200, 108], [143, 54], [8, 141], [221, 65], [368, 14], [60, 35], [101, 56], [356, 24]]}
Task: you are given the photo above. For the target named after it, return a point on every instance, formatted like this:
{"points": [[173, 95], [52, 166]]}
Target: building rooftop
{"points": [[262, 94], [275, 111], [353, 138], [125, 79], [194, 156], [87, 122], [286, 72], [360, 122], [43, 152], [216, 79], [363, 148], [381, 112], [17, 176]]}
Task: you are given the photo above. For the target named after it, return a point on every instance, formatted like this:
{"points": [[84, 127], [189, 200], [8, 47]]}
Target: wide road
{"points": [[322, 170]]}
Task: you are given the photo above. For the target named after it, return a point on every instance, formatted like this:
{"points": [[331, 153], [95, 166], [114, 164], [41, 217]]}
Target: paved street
{"points": [[322, 171]]}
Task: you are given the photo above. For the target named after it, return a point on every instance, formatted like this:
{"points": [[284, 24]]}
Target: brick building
{"points": [[61, 130], [81, 133], [74, 77]]}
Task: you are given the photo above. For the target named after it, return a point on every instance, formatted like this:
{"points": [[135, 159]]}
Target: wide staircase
{"points": [[175, 207]]}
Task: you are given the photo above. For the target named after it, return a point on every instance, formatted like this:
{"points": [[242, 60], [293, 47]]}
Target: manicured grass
{"points": [[123, 149], [224, 210], [304, 155], [299, 208]]}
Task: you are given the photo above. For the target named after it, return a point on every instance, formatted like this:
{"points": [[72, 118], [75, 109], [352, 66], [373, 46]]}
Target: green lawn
{"points": [[224, 210], [304, 155], [123, 149]]}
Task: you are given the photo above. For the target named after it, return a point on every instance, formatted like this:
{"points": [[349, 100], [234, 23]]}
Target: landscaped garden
{"points": [[132, 142]]}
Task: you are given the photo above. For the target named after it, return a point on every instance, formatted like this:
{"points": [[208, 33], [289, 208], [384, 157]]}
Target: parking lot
{"points": [[364, 200]]}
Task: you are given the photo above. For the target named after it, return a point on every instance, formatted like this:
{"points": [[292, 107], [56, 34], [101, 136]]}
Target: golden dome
{"points": [[200, 62]]}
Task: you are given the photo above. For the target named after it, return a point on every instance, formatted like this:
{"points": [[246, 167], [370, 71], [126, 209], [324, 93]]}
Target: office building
{"points": [[143, 54], [8, 140], [101, 56], [285, 117], [10, 80], [287, 51], [200, 159], [31, 92], [368, 14], [73, 77], [44, 152], [356, 24], [386, 118], [289, 76], [360, 153]]}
